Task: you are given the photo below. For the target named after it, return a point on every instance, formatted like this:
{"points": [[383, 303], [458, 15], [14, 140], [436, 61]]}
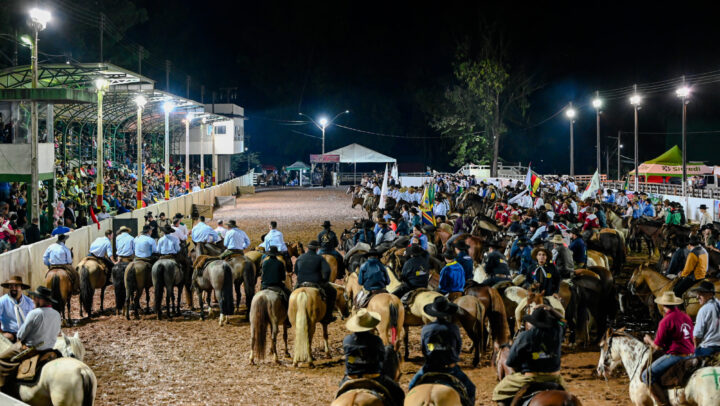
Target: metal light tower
{"points": [[187, 121], [214, 156], [635, 100], [101, 84], [140, 101], [683, 94], [167, 107], [570, 113], [597, 104]]}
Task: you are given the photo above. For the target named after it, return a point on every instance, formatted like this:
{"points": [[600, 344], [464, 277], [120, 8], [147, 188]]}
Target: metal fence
{"points": [[668, 189]]}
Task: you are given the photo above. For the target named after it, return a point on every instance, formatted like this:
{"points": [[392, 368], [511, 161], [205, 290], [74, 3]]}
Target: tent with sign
{"points": [[358, 154], [299, 166], [669, 165]]}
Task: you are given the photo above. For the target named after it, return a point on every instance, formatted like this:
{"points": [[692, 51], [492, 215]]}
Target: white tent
{"points": [[355, 153]]}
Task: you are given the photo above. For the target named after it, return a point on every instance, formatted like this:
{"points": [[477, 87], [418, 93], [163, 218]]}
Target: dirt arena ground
{"points": [[187, 361]]}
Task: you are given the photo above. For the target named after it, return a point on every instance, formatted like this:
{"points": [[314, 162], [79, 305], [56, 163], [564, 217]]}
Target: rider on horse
{"points": [[203, 233], [496, 265], [145, 246], [696, 267], [415, 272], [707, 322], [328, 246], [101, 249], [124, 245], [312, 268], [534, 355], [273, 273], [452, 276], [463, 258], [59, 256], [373, 277], [235, 241], [14, 307]]}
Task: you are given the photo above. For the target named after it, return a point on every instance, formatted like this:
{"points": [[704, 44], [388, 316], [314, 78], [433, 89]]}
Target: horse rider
{"points": [[373, 277], [417, 232], [679, 257], [204, 234], [145, 246], [705, 217], [124, 245], [496, 265], [38, 333], [57, 255], [674, 216], [463, 258], [441, 344], [180, 228], [578, 248], [275, 237], [452, 277], [674, 336], [706, 334], [696, 266], [384, 236], [273, 273], [312, 268], [365, 354], [544, 274], [328, 246], [221, 230], [14, 307], [562, 256], [168, 244], [235, 241], [365, 235], [415, 272], [534, 355], [101, 249], [522, 249]]}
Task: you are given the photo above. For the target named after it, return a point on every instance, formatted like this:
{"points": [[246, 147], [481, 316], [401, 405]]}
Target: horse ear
{"points": [[620, 330]]}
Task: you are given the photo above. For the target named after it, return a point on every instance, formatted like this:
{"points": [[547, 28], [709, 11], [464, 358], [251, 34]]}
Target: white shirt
{"points": [[221, 231], [181, 232]]}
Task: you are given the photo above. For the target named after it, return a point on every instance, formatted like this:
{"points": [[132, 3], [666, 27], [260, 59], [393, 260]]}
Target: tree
{"points": [[239, 162]]}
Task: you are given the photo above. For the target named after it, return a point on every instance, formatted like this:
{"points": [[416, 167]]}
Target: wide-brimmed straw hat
{"points": [[557, 239], [668, 299], [15, 280], [43, 293], [441, 307], [535, 251], [363, 320], [124, 229], [704, 287]]}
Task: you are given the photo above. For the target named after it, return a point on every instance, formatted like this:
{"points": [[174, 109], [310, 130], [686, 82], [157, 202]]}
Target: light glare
{"points": [[140, 100], [635, 99], [323, 121], [40, 17], [101, 83], [597, 103], [683, 92], [570, 112], [168, 106]]}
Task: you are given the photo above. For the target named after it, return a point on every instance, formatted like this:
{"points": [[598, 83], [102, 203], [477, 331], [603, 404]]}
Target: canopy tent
{"points": [[299, 166], [669, 165], [356, 153]]}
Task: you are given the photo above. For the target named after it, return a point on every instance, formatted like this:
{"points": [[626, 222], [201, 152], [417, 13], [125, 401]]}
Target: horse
{"points": [[352, 287], [306, 309], [494, 312], [610, 244], [588, 296], [471, 315], [332, 262], [58, 280], [267, 308], [215, 276], [650, 231], [65, 381], [166, 274], [392, 317], [432, 394], [364, 391], [92, 276], [597, 258], [618, 347], [118, 280], [138, 277], [243, 272]]}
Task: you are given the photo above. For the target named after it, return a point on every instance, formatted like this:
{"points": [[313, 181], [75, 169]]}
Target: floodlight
{"points": [[597, 103], [101, 83], [40, 17], [635, 99], [570, 113], [140, 100], [168, 106], [323, 121], [683, 92]]}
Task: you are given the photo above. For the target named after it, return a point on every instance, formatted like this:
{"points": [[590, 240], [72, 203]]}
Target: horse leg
{"points": [[250, 280], [202, 314], [325, 340], [102, 298], [273, 343], [178, 301], [169, 299], [406, 339], [147, 300], [238, 295], [287, 353]]}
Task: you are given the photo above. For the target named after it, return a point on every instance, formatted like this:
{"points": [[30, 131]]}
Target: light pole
{"points": [[323, 123], [635, 100], [248, 157], [101, 84], [187, 121], [683, 94], [570, 113], [597, 104], [140, 101], [202, 153], [167, 107], [214, 156], [38, 21]]}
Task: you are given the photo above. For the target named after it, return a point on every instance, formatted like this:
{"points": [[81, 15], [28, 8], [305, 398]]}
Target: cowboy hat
{"points": [[557, 239], [43, 293], [440, 307], [167, 229], [668, 299], [548, 206], [313, 245], [15, 280], [541, 318], [232, 223], [535, 251], [449, 255], [273, 250], [704, 287], [494, 244], [62, 237], [372, 253], [363, 320], [694, 240], [123, 229], [702, 207], [326, 224]]}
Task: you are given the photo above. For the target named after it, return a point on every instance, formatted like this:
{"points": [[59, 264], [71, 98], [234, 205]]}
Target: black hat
{"points": [[702, 207], [541, 318], [577, 231], [62, 237], [326, 224], [694, 240], [440, 307], [522, 241], [232, 223], [168, 229], [415, 250], [313, 245], [372, 253], [494, 244], [449, 254], [534, 223], [705, 287], [273, 250], [461, 245], [43, 293]]}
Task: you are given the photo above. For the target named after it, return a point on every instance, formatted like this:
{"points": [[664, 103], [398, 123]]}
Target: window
{"points": [[220, 130]]}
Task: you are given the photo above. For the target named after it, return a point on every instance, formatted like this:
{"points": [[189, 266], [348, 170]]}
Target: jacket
{"points": [[364, 353], [452, 278], [546, 276], [564, 261], [416, 271], [696, 263], [464, 259], [328, 240], [365, 235], [537, 350], [273, 272], [441, 343], [496, 264], [372, 275], [311, 267], [579, 251]]}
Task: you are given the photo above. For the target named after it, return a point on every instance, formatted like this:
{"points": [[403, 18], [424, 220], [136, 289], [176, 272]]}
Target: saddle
{"points": [[97, 260], [442, 378], [280, 292], [363, 298], [409, 298], [367, 385], [527, 392], [29, 370], [315, 286], [203, 260], [168, 256]]}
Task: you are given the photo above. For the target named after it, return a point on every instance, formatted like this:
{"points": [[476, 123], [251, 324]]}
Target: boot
{"points": [[659, 394]]}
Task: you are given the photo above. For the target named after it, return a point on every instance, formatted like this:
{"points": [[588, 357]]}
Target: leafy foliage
{"points": [[239, 162]]}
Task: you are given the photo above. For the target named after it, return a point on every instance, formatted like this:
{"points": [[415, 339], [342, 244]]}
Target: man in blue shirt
{"points": [[101, 249], [58, 255], [124, 245], [14, 307], [235, 241], [464, 259], [274, 237], [145, 246], [60, 229], [452, 276], [578, 248], [203, 233], [168, 244], [417, 232], [373, 277]]}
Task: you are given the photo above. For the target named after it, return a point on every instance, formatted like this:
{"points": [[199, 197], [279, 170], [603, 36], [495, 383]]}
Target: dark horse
{"points": [[649, 230], [612, 245], [590, 296]]}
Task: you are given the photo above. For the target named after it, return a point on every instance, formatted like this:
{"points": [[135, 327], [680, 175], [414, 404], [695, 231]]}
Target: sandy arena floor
{"points": [[190, 362]]}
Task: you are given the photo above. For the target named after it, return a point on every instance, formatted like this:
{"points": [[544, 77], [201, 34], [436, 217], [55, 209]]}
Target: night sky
{"points": [[385, 61]]}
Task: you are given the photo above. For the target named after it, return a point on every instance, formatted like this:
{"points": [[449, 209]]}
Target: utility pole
{"points": [[597, 119], [140, 58], [102, 34], [619, 146], [167, 75], [187, 86], [15, 50], [202, 94]]}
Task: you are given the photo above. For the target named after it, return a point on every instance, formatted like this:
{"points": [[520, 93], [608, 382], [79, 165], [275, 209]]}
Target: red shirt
{"points": [[674, 333]]}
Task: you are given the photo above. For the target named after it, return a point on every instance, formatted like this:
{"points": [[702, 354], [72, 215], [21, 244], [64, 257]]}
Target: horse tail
{"points": [[302, 341], [225, 296], [56, 293], [131, 285], [393, 323], [158, 279], [259, 320], [86, 289], [479, 319], [89, 387], [118, 278]]}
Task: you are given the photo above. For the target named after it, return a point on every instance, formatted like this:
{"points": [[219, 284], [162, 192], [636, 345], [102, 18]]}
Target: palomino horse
{"points": [[92, 276], [267, 308], [658, 284], [392, 317], [352, 287], [433, 394], [618, 348], [166, 275], [597, 258], [215, 276], [65, 381], [305, 310], [58, 280], [332, 262], [138, 277], [471, 315], [364, 391]]}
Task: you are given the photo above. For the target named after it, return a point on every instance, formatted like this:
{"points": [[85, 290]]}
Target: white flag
{"points": [[384, 190], [593, 187], [394, 172]]}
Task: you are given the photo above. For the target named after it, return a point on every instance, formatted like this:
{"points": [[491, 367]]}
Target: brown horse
{"points": [[332, 262], [471, 315], [367, 391], [58, 280], [433, 394], [243, 272], [138, 277], [392, 318], [267, 309], [416, 316], [494, 311], [306, 309], [541, 395], [352, 287], [92, 276]]}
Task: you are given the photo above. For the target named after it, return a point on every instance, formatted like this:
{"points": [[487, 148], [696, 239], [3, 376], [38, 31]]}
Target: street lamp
{"points": [[102, 85], [597, 104], [323, 123], [187, 121], [683, 93], [202, 153], [570, 113], [38, 21], [168, 107], [140, 101], [635, 100], [248, 157]]}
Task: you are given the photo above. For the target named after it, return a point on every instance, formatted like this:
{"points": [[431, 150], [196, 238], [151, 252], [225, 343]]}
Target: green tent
{"points": [[669, 164]]}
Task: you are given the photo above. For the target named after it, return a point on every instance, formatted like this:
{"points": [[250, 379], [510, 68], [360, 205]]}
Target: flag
{"points": [[627, 184], [394, 172], [94, 219], [427, 205], [532, 181], [592, 187], [384, 190]]}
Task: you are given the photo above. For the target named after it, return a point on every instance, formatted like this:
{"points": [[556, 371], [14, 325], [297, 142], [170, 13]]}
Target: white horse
{"points": [[64, 381], [701, 390]]}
